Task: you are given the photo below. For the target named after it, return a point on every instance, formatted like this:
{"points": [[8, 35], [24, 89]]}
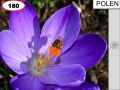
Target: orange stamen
{"points": [[54, 51]]}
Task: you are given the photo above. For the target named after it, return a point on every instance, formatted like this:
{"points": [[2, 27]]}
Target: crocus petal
{"points": [[26, 82], [13, 50], [54, 87], [83, 86], [25, 24], [64, 75], [87, 86], [87, 50], [64, 25]]}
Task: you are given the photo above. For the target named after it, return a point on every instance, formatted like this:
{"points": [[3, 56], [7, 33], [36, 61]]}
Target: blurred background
{"points": [[92, 21]]}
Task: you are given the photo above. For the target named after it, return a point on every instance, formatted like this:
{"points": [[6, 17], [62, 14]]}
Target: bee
{"points": [[58, 43]]}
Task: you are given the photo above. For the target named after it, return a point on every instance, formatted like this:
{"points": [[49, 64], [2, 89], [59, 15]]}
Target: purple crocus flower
{"points": [[57, 56]]}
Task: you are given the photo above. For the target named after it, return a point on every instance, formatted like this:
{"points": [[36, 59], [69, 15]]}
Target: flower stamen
{"points": [[55, 50]]}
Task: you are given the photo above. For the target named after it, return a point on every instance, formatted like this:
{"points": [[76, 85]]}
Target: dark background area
{"points": [[92, 21]]}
